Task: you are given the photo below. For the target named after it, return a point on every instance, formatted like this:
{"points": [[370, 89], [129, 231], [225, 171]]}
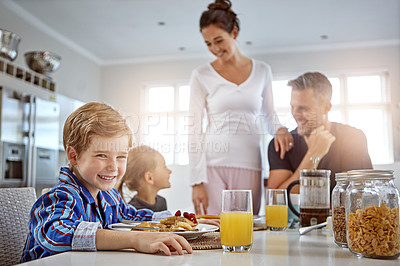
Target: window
{"points": [[361, 101], [164, 121]]}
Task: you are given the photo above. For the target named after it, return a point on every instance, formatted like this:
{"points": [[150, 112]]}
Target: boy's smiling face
{"points": [[102, 165]]}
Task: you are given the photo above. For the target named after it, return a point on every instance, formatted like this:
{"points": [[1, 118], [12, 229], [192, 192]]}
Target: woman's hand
{"points": [[200, 199], [153, 242], [283, 141]]}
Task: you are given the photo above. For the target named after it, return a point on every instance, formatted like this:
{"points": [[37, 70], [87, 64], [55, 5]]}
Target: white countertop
{"points": [[269, 248]]}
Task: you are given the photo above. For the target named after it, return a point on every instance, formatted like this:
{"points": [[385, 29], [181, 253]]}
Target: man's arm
{"points": [[278, 177], [319, 143], [281, 178]]}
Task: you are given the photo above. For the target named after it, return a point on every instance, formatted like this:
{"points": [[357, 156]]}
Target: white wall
{"points": [[77, 77]]}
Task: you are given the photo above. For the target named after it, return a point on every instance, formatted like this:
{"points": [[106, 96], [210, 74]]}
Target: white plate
{"points": [[202, 228]]}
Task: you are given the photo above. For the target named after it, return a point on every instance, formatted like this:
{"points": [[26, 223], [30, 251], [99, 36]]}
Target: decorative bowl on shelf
{"points": [[42, 62], [9, 42]]}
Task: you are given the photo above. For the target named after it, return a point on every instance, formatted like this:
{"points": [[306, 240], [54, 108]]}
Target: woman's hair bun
{"points": [[220, 5], [220, 14]]}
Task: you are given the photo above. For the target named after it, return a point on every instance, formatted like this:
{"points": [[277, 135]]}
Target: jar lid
{"points": [[341, 176], [370, 174], [315, 173]]}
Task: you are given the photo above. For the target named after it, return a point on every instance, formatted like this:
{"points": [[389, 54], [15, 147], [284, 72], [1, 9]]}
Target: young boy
{"points": [[147, 174], [75, 214]]}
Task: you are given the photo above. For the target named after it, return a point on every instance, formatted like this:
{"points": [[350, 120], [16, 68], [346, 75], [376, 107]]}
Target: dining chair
{"points": [[15, 206]]}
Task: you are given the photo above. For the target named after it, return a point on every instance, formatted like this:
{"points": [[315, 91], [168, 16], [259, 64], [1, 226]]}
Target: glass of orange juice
{"points": [[236, 220], [276, 209]]}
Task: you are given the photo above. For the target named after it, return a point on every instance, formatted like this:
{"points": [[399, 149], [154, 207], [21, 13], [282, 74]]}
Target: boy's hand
{"points": [[147, 242], [152, 242]]}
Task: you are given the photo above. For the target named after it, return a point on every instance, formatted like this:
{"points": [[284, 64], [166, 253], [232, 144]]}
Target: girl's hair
{"points": [[221, 15], [94, 119], [140, 160]]}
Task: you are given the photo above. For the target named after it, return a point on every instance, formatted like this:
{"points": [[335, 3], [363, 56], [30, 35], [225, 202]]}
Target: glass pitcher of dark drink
{"points": [[314, 196]]}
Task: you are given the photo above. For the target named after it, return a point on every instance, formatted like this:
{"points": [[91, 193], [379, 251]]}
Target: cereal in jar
{"points": [[372, 214]]}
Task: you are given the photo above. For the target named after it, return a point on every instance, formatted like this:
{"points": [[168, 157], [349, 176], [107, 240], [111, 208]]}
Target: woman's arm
{"points": [[197, 155], [282, 137]]}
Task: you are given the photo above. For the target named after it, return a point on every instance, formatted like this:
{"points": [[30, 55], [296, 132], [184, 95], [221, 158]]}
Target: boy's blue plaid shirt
{"points": [[67, 218]]}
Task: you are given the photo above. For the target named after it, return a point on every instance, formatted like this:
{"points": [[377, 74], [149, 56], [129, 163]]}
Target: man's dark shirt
{"points": [[348, 152]]}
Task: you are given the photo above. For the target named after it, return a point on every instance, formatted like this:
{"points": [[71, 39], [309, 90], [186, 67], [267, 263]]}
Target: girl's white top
{"points": [[227, 121]]}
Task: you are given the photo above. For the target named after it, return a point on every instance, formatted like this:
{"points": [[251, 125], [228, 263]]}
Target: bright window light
{"points": [[335, 116], [364, 89], [164, 124], [372, 122], [335, 90], [182, 143], [161, 99], [184, 95], [281, 93], [161, 135]]}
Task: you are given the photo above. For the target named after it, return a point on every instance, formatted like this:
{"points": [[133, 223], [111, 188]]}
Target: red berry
{"points": [[193, 218], [186, 215], [178, 213]]}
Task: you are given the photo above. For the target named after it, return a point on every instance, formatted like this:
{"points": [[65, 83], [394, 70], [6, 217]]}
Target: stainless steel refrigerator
{"points": [[29, 139]]}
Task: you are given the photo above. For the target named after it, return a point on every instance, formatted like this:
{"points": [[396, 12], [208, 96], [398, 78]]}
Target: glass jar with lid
{"points": [[372, 214], [338, 209]]}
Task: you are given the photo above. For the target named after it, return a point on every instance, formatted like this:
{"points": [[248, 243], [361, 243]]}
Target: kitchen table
{"points": [[269, 248]]}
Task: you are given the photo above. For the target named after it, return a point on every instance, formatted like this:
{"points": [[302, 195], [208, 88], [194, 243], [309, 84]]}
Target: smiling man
{"points": [[339, 147]]}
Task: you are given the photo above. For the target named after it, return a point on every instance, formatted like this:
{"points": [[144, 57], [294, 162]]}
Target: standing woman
{"points": [[234, 92]]}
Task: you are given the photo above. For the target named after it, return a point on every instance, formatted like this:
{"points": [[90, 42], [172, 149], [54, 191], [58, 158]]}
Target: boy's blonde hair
{"points": [[140, 160], [93, 119]]}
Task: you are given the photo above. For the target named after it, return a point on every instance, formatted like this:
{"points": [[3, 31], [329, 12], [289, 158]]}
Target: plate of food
{"points": [[185, 226]]}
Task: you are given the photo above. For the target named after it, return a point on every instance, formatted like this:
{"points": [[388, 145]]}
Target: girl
{"points": [[147, 174]]}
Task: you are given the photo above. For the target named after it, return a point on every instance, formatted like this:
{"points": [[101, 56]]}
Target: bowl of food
{"points": [[43, 62], [9, 42]]}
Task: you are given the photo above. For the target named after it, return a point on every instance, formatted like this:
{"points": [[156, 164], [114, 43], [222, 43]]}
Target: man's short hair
{"points": [[318, 82], [94, 119]]}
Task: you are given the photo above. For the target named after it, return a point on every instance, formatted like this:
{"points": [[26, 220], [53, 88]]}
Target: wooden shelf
{"points": [[31, 77]]}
